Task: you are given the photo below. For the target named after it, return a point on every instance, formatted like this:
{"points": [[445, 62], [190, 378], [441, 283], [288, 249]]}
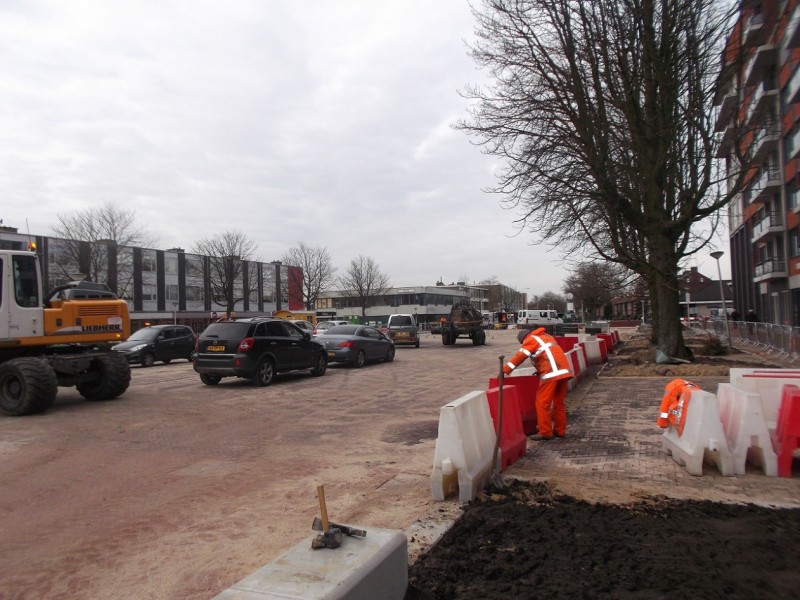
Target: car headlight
{"points": [[137, 347]]}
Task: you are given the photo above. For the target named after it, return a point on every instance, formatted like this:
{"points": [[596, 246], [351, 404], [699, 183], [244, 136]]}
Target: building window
{"points": [[171, 264], [149, 261], [148, 292], [794, 243], [172, 293], [194, 293]]}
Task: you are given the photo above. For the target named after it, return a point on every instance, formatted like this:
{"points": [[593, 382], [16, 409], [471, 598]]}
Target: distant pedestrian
{"points": [[734, 315], [751, 316]]}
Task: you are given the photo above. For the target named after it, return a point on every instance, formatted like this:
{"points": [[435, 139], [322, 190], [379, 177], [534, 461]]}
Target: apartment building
{"points": [[161, 285], [758, 100]]}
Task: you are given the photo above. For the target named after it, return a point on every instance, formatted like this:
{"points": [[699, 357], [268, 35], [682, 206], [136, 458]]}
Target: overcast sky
{"points": [[324, 122]]}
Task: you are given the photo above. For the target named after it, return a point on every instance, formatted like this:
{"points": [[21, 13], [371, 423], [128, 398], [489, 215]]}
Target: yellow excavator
{"points": [[62, 339]]}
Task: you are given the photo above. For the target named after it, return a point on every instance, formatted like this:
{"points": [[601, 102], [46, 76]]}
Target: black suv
{"points": [[159, 342], [257, 348]]}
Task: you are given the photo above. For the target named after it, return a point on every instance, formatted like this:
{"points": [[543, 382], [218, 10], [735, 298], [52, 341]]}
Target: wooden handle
{"points": [[323, 509]]}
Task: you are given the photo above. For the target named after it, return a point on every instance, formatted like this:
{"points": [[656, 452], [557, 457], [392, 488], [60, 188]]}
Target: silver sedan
{"points": [[356, 345]]}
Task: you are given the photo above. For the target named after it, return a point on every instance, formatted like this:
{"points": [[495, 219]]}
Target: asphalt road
{"points": [[178, 490]]}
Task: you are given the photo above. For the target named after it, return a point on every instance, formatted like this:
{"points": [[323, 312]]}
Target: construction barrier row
{"points": [[754, 418], [464, 454]]}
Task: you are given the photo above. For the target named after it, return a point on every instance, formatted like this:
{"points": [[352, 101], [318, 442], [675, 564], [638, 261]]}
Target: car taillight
{"points": [[245, 345], [345, 344]]}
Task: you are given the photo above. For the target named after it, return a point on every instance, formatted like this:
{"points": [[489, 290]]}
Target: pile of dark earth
{"points": [[524, 540]]}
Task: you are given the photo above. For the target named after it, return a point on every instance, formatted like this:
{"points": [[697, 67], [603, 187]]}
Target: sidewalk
{"points": [[613, 451]]}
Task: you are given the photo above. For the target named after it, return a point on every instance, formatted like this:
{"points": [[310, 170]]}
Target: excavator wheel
{"points": [[113, 376], [27, 386]]}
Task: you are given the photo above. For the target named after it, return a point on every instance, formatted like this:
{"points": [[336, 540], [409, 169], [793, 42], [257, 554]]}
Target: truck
{"points": [[61, 339], [464, 320]]}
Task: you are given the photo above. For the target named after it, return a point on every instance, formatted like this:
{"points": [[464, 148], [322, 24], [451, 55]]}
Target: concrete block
{"points": [[368, 568]]}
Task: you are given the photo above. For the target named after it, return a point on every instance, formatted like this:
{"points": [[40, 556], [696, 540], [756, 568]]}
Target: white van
{"points": [[538, 317]]}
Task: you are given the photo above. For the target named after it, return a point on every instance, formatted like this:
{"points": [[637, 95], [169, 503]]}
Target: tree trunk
{"points": [[667, 328]]}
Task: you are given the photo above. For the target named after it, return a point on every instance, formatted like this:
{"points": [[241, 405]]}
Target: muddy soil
{"points": [[528, 541]]}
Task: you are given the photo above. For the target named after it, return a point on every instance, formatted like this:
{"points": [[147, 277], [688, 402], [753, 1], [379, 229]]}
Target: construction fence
{"points": [[783, 341]]}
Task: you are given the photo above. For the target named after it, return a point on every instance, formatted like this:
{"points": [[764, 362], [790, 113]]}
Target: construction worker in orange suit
{"points": [[552, 367]]}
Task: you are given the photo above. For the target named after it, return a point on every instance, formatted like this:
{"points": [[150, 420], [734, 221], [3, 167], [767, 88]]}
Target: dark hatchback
{"points": [[158, 343], [257, 348]]}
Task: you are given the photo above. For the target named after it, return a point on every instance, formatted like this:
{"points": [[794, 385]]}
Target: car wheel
{"points": [[389, 354], [166, 361], [483, 338], [265, 372], [148, 360], [361, 358], [210, 379], [445, 338], [320, 365], [476, 339]]}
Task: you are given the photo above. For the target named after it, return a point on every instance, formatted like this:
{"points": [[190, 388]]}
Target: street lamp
{"points": [[716, 255]]}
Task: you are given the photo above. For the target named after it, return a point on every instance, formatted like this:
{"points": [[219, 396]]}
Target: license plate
{"points": [[401, 334], [216, 348], [331, 354]]}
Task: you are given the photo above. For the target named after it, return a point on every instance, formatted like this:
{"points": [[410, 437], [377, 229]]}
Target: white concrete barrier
{"points": [[768, 384], [703, 438], [594, 355], [464, 448], [746, 430], [375, 566]]}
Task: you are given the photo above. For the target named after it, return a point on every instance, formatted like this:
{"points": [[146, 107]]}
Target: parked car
{"points": [[402, 329], [256, 348], [303, 325], [323, 326], [158, 343], [357, 344]]}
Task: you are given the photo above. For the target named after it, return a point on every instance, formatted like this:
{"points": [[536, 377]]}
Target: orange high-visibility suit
{"points": [[552, 366]]}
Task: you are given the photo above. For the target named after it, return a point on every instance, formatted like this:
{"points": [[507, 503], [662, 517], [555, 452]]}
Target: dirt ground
{"points": [[533, 540], [525, 541]]}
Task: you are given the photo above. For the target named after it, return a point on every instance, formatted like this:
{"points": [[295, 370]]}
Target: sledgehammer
{"points": [[331, 537], [345, 529]]}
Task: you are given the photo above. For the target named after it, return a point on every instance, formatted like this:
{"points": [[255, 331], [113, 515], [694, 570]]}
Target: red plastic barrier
{"points": [[566, 343], [527, 386], [787, 433], [615, 333], [609, 339], [513, 441]]}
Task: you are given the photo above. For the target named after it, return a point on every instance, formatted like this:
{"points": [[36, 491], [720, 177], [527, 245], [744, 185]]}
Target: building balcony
{"points": [[769, 227], [754, 30], [765, 140], [758, 65], [769, 269], [726, 140], [766, 94], [768, 183], [727, 108], [791, 36]]}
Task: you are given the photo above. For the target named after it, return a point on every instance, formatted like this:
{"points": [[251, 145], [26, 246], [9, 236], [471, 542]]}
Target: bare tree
{"points": [[226, 254], [87, 242], [593, 285], [549, 300], [603, 111], [364, 281], [318, 271]]}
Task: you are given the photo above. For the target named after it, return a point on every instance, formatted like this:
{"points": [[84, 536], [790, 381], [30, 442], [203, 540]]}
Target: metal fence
{"points": [[782, 341]]}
